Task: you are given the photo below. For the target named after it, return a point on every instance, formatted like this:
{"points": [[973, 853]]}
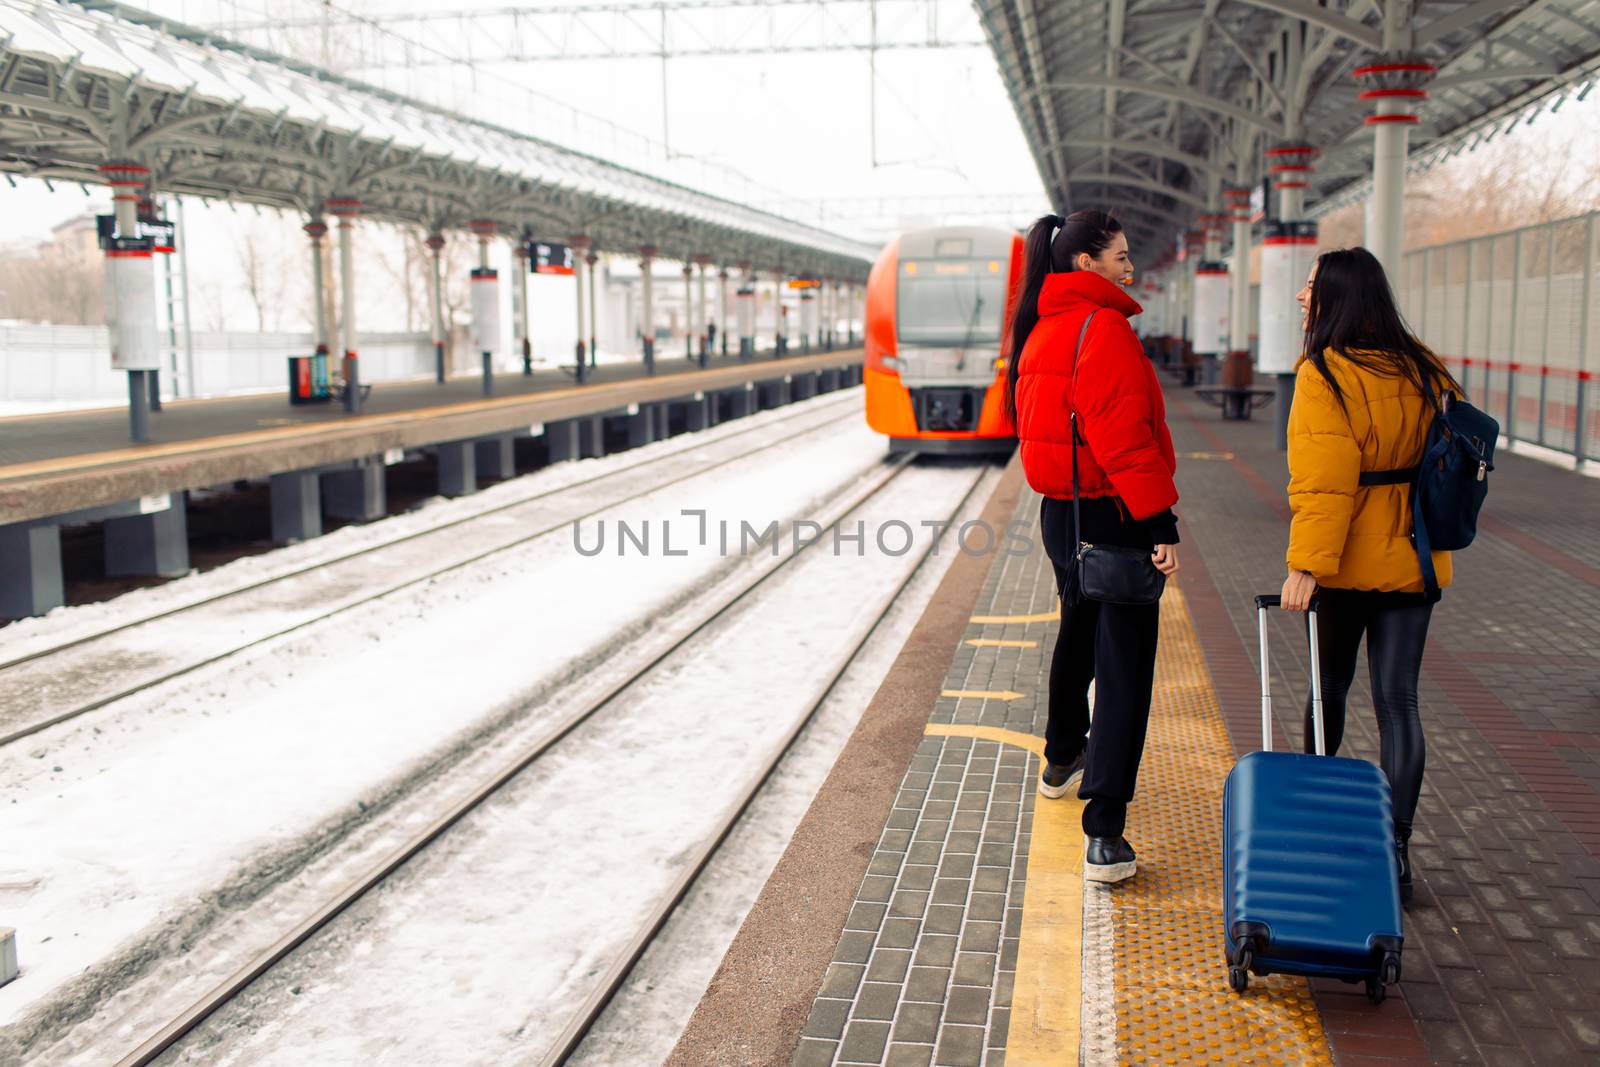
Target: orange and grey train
{"points": [[938, 323]]}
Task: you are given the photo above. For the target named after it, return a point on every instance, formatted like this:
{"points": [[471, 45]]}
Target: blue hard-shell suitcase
{"points": [[1310, 874]]}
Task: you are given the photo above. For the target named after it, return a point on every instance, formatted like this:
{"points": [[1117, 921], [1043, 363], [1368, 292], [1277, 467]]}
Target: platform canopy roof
{"points": [[1142, 105], [80, 88]]}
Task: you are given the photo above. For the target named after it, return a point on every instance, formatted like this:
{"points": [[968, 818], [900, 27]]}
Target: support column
{"points": [[594, 316], [688, 311], [359, 494], [580, 246], [30, 570], [458, 468], [1287, 252], [495, 457], [347, 209], [809, 319], [131, 294], [647, 319], [562, 440], [435, 244], [316, 230], [485, 301], [150, 544], [296, 507], [519, 302], [147, 214], [641, 424], [722, 309], [780, 327], [1236, 369], [703, 333], [744, 301], [1396, 88], [1211, 305], [850, 314]]}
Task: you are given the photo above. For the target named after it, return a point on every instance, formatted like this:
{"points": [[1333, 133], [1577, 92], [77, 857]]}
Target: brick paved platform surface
{"points": [[1502, 959]]}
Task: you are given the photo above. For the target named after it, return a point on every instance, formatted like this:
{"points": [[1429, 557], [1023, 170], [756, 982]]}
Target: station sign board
{"points": [[804, 283], [163, 235], [547, 258]]}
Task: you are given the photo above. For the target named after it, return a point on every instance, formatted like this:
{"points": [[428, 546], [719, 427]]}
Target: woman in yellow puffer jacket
{"points": [[1361, 407]]}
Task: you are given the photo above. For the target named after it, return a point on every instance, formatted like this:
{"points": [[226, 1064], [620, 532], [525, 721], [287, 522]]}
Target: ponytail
{"points": [[1035, 265], [1044, 251]]}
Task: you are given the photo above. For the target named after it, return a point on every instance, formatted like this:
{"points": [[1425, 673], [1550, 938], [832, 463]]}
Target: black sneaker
{"points": [[1060, 777], [1108, 860]]}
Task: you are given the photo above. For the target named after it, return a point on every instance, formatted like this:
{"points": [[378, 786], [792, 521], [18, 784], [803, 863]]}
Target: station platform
{"points": [[62, 462], [931, 909]]}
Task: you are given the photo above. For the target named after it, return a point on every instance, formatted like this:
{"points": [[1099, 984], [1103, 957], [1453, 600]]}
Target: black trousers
{"points": [[1396, 629], [1113, 646]]}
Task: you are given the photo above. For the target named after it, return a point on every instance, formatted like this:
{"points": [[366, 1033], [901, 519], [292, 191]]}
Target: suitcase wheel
{"points": [[1244, 954], [1390, 974], [1375, 991]]}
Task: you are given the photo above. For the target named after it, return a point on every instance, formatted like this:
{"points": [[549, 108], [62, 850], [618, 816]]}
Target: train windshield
{"points": [[957, 302]]}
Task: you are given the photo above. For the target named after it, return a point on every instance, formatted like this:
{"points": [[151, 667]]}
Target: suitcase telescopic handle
{"points": [[1263, 603]]}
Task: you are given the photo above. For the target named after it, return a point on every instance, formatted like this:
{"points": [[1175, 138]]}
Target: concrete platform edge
{"points": [[758, 1000]]}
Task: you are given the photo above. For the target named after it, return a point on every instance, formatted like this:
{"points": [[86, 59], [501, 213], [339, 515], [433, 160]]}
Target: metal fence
{"points": [[1513, 314]]}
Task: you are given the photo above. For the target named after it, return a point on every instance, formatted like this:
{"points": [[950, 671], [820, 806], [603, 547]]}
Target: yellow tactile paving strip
{"points": [[1170, 1003], [1173, 1005]]}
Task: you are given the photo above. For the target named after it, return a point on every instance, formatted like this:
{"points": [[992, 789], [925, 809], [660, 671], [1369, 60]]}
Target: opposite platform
{"points": [[54, 464]]}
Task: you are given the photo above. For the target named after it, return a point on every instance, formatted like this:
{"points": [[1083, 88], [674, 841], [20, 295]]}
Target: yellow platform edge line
{"points": [[987, 642], [1045, 999]]}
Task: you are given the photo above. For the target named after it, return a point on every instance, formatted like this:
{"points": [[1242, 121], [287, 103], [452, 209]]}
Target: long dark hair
{"points": [[1054, 244], [1353, 312]]}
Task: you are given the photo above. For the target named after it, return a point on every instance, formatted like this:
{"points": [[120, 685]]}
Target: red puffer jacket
{"points": [[1120, 408]]}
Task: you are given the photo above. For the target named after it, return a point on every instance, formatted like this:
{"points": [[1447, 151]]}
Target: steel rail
{"points": [[100, 702], [601, 997], [215, 998]]}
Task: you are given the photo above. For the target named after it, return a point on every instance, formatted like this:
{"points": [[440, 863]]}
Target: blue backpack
{"points": [[1449, 484]]}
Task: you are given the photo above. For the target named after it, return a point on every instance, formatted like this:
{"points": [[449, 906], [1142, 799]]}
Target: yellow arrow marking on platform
{"points": [[1046, 1001], [1043, 616], [989, 642], [981, 694]]}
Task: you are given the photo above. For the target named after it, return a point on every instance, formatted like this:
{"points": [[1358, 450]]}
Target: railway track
{"points": [[688, 642], [91, 671]]}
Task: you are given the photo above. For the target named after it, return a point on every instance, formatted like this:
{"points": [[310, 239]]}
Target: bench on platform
{"points": [[1236, 401]]}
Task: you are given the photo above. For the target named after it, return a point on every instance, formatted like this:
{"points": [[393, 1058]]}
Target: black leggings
{"points": [[1396, 628], [1113, 646]]}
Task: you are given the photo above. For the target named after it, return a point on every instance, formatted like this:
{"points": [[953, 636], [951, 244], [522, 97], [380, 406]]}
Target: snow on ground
{"points": [[116, 663], [69, 623], [479, 950], [144, 819], [649, 1013]]}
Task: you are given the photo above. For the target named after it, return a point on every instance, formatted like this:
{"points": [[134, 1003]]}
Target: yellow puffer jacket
{"points": [[1349, 536]]}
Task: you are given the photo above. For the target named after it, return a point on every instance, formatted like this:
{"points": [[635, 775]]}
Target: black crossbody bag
{"points": [[1110, 574]]}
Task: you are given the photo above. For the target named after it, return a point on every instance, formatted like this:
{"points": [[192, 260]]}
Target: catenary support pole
{"points": [[647, 311], [347, 210], [593, 261], [485, 301], [580, 246], [435, 244], [316, 230]]}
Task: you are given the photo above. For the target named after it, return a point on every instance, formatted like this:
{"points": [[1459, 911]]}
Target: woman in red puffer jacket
{"points": [[1076, 268]]}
